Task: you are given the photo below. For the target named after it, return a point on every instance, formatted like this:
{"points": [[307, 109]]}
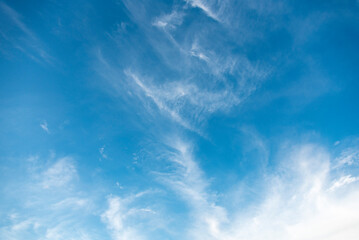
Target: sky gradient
{"points": [[183, 119]]}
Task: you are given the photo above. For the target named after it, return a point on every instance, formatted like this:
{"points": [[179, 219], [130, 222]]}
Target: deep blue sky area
{"points": [[183, 119]]}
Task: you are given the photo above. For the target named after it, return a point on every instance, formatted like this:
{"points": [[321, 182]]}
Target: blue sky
{"points": [[184, 119]]}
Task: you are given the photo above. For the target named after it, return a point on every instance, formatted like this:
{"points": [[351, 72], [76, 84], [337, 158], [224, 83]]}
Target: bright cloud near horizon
{"points": [[183, 119]]}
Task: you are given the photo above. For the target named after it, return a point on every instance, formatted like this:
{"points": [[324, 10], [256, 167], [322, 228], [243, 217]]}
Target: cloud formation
{"points": [[45, 127], [189, 119], [59, 174], [15, 32], [299, 200]]}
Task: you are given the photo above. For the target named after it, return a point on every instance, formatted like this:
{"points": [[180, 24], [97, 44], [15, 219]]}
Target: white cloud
{"points": [[16, 19], [186, 103], [44, 126], [24, 225], [189, 182], [348, 156], [125, 220], [196, 52], [296, 203], [169, 21], [343, 181], [66, 232], [206, 75], [102, 152], [205, 6], [190, 101], [114, 218], [37, 213], [159, 101], [72, 202], [59, 174], [25, 40]]}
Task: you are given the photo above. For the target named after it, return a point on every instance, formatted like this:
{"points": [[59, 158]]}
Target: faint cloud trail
{"points": [[30, 45]]}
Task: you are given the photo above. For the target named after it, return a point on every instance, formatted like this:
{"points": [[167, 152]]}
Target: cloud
{"points": [[15, 18], [15, 32], [25, 225], [189, 183], [156, 97], [299, 200], [185, 102], [125, 219], [114, 217], [194, 76], [348, 156], [297, 204], [36, 213], [343, 181], [196, 52], [206, 7], [102, 152], [59, 174], [60, 233], [169, 21], [45, 127], [72, 202], [191, 103]]}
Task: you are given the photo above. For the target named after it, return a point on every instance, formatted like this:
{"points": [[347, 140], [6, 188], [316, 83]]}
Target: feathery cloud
{"points": [[44, 126], [59, 174], [25, 39], [300, 196]]}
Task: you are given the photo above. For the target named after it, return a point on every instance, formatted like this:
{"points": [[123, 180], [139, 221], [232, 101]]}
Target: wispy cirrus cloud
{"points": [[207, 7], [175, 66], [59, 174], [348, 156], [303, 193], [189, 182], [48, 204], [44, 126], [157, 99], [115, 216], [127, 217], [210, 78], [169, 21], [343, 181], [15, 32], [185, 102]]}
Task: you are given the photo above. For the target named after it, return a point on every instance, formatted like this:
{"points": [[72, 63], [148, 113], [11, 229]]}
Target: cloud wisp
{"points": [[187, 119], [44, 126], [194, 78], [48, 204], [127, 218], [59, 174], [299, 201], [184, 102], [205, 6], [16, 33]]}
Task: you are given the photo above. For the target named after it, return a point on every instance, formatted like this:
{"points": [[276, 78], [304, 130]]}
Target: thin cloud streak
{"points": [[45, 127], [114, 218], [30, 44], [298, 198], [204, 6], [126, 218], [185, 103], [59, 174], [49, 204]]}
